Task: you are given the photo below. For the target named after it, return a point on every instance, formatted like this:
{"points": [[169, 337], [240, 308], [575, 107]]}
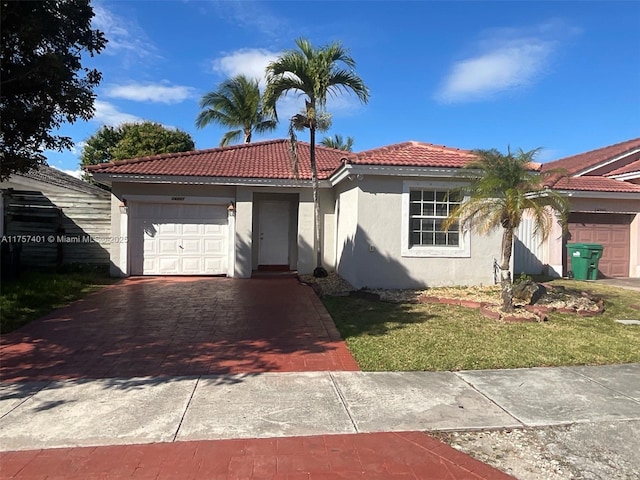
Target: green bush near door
{"points": [[584, 259]]}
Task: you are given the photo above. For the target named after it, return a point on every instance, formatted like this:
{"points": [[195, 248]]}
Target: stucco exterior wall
{"points": [[244, 227], [375, 243], [346, 226], [328, 228]]}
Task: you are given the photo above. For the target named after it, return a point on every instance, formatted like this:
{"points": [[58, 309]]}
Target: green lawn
{"points": [[36, 293], [386, 337]]}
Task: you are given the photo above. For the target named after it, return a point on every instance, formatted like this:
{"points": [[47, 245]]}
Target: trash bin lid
{"points": [[589, 246]]}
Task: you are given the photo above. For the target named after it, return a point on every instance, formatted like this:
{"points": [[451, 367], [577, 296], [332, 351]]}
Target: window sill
{"points": [[436, 252]]}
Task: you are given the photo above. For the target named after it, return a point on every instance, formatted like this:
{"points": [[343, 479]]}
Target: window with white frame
{"points": [[428, 209], [425, 206]]}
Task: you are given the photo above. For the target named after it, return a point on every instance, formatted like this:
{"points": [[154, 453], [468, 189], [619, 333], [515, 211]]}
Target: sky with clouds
{"points": [[564, 76]]}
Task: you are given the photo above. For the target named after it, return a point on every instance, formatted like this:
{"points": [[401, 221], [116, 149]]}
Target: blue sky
{"points": [[564, 76]]}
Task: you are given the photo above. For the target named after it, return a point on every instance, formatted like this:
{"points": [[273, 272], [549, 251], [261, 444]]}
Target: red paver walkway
{"points": [[179, 326], [411, 455]]}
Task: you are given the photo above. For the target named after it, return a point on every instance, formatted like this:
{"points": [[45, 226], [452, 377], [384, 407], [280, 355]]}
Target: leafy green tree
{"points": [[502, 189], [133, 140], [149, 138], [338, 142], [313, 73], [42, 81], [236, 103]]}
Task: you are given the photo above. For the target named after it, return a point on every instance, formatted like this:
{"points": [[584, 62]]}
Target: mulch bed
{"points": [[486, 299]]}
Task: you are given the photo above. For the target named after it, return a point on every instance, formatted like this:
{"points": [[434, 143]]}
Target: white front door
{"points": [[274, 233]]}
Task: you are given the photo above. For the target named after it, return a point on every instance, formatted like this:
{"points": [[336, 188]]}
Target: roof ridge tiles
{"points": [[409, 143]]}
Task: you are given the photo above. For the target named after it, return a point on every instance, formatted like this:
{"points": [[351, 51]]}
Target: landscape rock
{"points": [[528, 291]]}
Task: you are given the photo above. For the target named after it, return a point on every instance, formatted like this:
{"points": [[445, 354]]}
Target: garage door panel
{"points": [[612, 232], [214, 229], [166, 246], [215, 264], [192, 265], [192, 229], [181, 239], [192, 246], [168, 265], [167, 228], [213, 246]]}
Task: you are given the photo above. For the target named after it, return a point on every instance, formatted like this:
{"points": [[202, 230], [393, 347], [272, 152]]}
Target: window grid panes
{"points": [[427, 211]]}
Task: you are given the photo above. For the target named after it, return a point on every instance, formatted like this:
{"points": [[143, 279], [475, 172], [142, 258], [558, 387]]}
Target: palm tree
{"points": [[314, 73], [338, 142], [236, 103], [501, 189]]}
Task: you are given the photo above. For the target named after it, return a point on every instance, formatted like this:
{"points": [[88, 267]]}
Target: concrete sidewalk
{"points": [[36, 415]]}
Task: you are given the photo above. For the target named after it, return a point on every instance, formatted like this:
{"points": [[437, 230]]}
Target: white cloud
{"points": [[108, 114], [74, 173], [125, 36], [251, 62], [160, 93], [507, 59]]}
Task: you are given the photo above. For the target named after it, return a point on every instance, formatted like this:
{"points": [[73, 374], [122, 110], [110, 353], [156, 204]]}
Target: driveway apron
{"points": [[179, 326]]}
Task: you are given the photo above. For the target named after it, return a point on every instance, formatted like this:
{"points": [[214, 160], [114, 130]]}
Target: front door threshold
{"points": [[271, 272], [274, 268]]}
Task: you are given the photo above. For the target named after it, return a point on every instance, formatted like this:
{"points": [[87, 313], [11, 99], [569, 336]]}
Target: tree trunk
{"points": [[247, 136], [319, 270], [505, 274]]}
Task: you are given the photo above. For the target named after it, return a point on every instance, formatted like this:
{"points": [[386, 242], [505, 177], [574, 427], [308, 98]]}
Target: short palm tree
{"points": [[236, 103], [314, 73], [338, 142], [502, 189]]}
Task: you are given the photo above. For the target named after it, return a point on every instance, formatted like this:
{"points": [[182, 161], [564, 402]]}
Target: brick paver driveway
{"points": [[179, 326]]}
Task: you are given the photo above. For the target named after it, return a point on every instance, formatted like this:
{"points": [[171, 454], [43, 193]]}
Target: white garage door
{"points": [[180, 239]]}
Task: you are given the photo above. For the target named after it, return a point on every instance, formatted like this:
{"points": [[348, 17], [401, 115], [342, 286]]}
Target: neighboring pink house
{"points": [[603, 186]]}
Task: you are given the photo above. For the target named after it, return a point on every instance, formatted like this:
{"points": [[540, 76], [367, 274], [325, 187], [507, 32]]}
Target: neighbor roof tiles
{"points": [[583, 161], [633, 167], [596, 184]]}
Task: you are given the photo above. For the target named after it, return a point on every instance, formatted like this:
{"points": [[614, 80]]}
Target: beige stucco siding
{"points": [[374, 241], [346, 227]]}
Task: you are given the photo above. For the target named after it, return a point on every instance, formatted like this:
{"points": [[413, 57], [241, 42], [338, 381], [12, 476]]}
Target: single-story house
{"points": [[233, 210], [59, 219], [603, 187]]}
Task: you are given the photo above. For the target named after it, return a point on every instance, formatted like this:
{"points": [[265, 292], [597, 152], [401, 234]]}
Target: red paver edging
{"points": [[370, 456]]}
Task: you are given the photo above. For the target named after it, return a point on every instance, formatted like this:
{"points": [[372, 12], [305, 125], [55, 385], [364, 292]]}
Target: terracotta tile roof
{"points": [[596, 184], [633, 167], [414, 154], [583, 161], [268, 159]]}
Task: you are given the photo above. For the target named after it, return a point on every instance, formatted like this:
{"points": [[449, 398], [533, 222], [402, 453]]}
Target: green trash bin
{"points": [[584, 259]]}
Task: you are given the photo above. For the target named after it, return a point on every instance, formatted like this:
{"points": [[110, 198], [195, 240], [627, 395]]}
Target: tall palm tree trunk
{"points": [[247, 136], [505, 274], [319, 271]]}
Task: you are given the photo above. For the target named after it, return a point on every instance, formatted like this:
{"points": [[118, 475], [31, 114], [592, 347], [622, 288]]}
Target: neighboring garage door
{"points": [[180, 239], [610, 230]]}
